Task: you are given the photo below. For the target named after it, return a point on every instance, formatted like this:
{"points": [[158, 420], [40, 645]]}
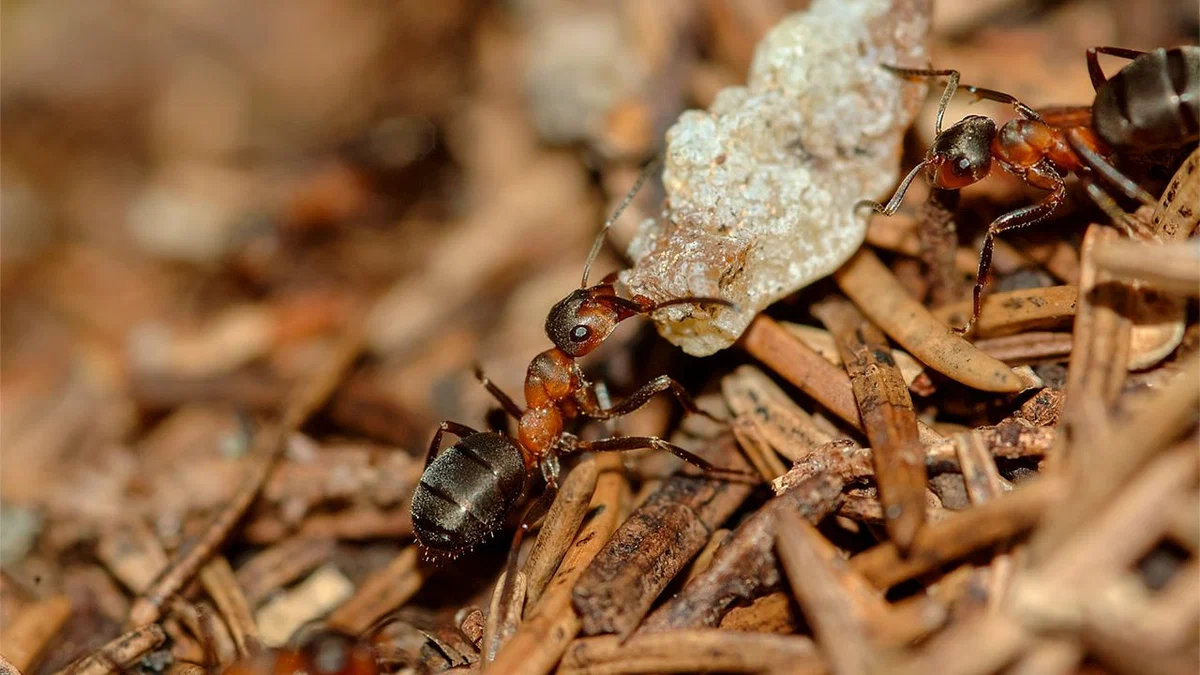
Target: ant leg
{"points": [[641, 442], [951, 86], [639, 398], [1041, 175], [1093, 61], [893, 203], [505, 400], [1096, 162], [460, 430], [1001, 97]]}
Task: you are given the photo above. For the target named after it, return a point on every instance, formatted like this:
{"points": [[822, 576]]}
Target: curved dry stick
{"points": [[305, 399], [122, 652], [1173, 267], [558, 529], [541, 639], [883, 299], [1015, 311], [888, 416]]}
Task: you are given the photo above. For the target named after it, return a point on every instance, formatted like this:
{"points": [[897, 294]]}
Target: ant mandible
{"points": [[468, 489], [1038, 151]]}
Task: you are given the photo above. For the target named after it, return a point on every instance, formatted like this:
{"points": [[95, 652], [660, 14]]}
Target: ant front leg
{"points": [[1093, 61], [627, 443], [1041, 175], [639, 398], [948, 94], [460, 430], [1001, 97]]}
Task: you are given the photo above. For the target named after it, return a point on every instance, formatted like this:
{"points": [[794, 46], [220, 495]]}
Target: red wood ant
{"points": [[1154, 102], [467, 490]]}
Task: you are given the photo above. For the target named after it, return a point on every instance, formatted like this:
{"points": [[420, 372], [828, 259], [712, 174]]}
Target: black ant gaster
{"points": [[468, 490], [1153, 103]]}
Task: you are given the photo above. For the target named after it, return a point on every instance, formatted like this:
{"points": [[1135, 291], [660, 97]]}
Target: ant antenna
{"points": [[596, 245], [894, 202]]}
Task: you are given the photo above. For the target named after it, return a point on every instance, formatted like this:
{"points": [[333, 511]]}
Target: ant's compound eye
{"points": [[580, 333]]}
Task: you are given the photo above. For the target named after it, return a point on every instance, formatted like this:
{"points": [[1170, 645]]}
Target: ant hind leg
{"points": [[626, 443], [460, 430], [1093, 61], [497, 393]]}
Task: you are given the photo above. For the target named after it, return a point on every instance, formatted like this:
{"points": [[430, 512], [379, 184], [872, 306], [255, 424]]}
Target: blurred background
{"points": [[198, 194]]}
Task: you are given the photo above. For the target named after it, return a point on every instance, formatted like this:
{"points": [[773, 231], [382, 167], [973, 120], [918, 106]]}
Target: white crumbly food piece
{"points": [[761, 187]]}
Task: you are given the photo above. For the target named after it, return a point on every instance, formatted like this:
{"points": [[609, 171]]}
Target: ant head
{"points": [[962, 154], [582, 320]]}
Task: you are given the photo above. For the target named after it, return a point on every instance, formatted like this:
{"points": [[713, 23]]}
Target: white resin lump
{"points": [[761, 187]]}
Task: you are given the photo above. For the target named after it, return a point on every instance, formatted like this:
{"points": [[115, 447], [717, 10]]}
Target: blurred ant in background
{"points": [[468, 489], [1152, 104]]}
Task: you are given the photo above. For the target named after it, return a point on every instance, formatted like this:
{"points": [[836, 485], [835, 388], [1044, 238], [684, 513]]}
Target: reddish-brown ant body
{"points": [[468, 489], [1152, 103]]}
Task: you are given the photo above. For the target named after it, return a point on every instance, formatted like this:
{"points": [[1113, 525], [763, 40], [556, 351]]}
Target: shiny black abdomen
{"points": [[1153, 103], [466, 492]]}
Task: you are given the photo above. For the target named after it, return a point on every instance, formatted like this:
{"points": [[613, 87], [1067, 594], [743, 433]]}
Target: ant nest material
{"points": [[761, 187]]}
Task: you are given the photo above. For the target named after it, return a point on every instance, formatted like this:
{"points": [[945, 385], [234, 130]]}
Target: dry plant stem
{"points": [[1097, 368], [502, 621], [939, 245], [1028, 348], [1176, 216], [690, 651], [122, 652], [382, 592], [1015, 311], [308, 396], [1157, 419], [765, 461], [655, 543], [27, 636], [984, 484], [133, 554], [1011, 439], [704, 558], [776, 347], [780, 351], [280, 565], [785, 426], [771, 613], [887, 414], [1051, 656], [542, 638], [818, 577], [222, 586], [979, 645], [558, 529], [959, 535], [824, 344], [1129, 524], [1173, 267], [877, 293], [908, 620], [745, 566]]}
